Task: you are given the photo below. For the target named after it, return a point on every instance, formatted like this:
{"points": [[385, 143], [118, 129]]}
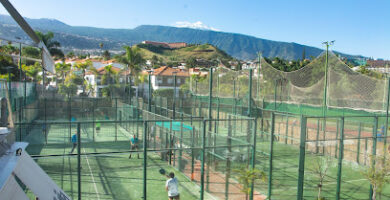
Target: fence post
{"points": [[70, 116], [145, 158], [340, 159], [216, 127], [358, 146], [301, 167], [285, 139], [210, 123], [45, 101], [170, 142], [20, 118], [203, 158], [229, 148], [318, 135], [271, 147], [181, 146], [337, 136], [93, 119], [116, 118], [253, 160], [374, 137], [387, 117], [192, 153], [78, 160]]}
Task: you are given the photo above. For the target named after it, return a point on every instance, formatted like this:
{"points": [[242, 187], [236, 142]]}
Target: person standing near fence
{"points": [[74, 142], [172, 187], [97, 127], [134, 145]]}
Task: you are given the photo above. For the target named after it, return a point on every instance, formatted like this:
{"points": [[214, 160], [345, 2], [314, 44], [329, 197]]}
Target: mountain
{"points": [[88, 38]]}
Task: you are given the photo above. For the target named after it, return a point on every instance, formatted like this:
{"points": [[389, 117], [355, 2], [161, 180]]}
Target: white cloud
{"points": [[196, 25]]}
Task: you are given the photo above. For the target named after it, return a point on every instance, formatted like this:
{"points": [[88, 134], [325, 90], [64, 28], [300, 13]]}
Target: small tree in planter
{"points": [[378, 174], [320, 168], [246, 177]]}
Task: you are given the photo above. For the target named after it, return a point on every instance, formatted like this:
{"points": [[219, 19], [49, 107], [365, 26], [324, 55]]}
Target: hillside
{"points": [[205, 51], [88, 38]]}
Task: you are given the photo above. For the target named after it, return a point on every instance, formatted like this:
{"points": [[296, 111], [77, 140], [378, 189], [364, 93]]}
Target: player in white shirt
{"points": [[172, 187]]}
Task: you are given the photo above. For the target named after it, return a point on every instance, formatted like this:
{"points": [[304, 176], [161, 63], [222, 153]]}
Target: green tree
{"points": [[61, 70], [378, 174], [106, 55], [83, 66], [32, 71], [31, 52], [155, 61], [320, 169], [7, 61], [109, 78], [132, 59], [70, 55], [191, 63], [68, 89], [246, 177], [52, 45]]}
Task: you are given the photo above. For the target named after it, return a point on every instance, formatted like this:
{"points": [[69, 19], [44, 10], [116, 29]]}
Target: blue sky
{"points": [[358, 26]]}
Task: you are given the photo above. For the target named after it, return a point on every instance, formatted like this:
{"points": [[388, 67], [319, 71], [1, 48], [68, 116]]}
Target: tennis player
{"points": [[134, 144], [172, 187]]}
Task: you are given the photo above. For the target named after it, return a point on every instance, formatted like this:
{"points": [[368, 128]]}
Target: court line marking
{"points": [[93, 179]]}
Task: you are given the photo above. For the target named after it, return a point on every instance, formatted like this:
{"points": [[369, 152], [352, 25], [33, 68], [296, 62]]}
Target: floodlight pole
{"points": [[174, 95], [78, 161], [258, 75], [340, 159], [250, 93], [210, 123], [387, 115], [302, 151], [150, 92], [327, 44]]}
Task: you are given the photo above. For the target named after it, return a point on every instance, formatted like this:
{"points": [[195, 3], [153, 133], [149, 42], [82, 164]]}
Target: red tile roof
{"points": [[168, 71]]}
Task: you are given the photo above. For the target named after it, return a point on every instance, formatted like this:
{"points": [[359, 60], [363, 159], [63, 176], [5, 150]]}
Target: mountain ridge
{"points": [[238, 45]]}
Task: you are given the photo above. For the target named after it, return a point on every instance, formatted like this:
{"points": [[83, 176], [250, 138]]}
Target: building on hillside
{"points": [[249, 65], [378, 63], [163, 78], [174, 45], [198, 71], [382, 66]]}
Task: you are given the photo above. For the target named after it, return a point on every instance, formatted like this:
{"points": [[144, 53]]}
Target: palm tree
{"points": [[62, 69], [83, 66], [51, 44], [132, 59], [109, 77]]}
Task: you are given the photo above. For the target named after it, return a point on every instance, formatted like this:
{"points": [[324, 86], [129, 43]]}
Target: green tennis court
{"points": [[104, 176]]}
